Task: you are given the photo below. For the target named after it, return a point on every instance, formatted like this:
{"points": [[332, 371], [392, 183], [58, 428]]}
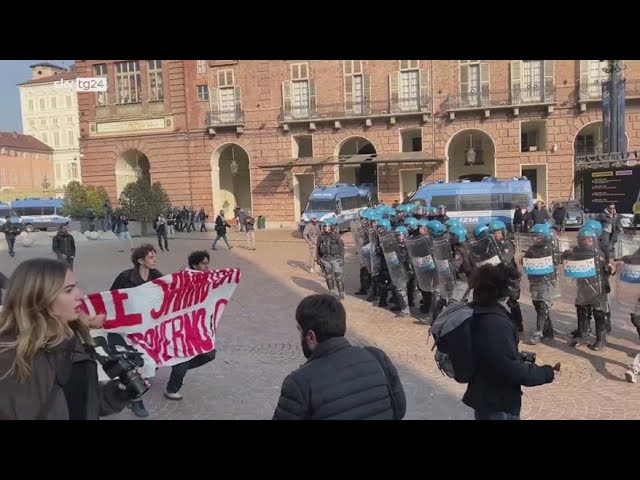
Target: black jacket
{"points": [[221, 226], [559, 215], [540, 215], [131, 278], [517, 217], [496, 384], [64, 245], [342, 382], [10, 230]]}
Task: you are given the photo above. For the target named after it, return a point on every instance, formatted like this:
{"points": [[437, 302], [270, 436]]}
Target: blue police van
{"points": [[40, 214], [477, 202], [341, 201]]}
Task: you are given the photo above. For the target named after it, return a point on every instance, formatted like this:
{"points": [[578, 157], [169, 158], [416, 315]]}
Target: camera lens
{"points": [[134, 383]]}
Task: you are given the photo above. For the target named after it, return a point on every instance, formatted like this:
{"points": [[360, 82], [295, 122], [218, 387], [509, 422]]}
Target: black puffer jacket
{"points": [[342, 382], [499, 370]]}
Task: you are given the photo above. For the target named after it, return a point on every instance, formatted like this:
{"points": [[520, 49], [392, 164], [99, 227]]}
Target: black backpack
{"points": [[452, 332]]}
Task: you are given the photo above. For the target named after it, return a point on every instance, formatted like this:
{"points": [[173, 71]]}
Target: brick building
{"points": [[26, 166], [260, 134]]}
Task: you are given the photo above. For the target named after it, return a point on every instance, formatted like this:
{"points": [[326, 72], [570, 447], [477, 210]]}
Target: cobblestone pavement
{"points": [[258, 344]]}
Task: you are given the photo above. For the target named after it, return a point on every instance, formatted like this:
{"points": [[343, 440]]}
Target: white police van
{"points": [[341, 201]]}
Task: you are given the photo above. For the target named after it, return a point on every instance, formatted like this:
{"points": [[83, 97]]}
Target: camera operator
{"points": [[494, 391], [144, 270], [48, 369]]}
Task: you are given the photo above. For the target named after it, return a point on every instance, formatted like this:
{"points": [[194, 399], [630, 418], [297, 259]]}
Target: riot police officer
{"points": [[331, 256], [441, 214], [384, 279], [461, 258], [362, 239], [543, 281], [403, 294], [432, 213], [508, 250], [592, 286]]}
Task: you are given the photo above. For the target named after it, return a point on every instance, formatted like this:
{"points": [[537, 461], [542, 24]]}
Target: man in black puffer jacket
{"points": [[339, 381]]}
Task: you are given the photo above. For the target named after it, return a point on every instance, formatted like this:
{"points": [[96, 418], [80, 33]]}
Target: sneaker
{"points": [[138, 409], [630, 376], [173, 396]]}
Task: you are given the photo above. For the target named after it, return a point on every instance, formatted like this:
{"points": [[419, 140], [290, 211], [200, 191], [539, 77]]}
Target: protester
{"points": [[47, 366], [517, 219], [540, 214], [339, 381], [221, 226], [64, 246], [197, 261], [494, 391], [161, 231], [144, 270], [122, 229], [559, 217], [249, 223]]}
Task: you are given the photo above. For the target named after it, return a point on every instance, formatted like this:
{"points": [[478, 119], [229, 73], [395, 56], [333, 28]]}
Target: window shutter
{"points": [[312, 97], [304, 71], [485, 91], [425, 89], [286, 98], [237, 95], [366, 93], [213, 100], [516, 81], [584, 79], [549, 81], [404, 64], [464, 85], [222, 79], [348, 93], [357, 66], [348, 70], [394, 90], [230, 81]]}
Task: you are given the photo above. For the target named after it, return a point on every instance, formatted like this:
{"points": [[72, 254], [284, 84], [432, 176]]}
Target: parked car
{"points": [[575, 215]]}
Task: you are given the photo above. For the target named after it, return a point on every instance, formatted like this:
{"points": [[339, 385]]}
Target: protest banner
{"points": [[168, 320]]}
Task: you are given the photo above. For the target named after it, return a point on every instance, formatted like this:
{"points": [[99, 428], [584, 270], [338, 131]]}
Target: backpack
{"points": [[452, 332]]}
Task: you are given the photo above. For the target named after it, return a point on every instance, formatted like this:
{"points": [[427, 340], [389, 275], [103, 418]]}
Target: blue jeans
{"points": [[478, 415]]}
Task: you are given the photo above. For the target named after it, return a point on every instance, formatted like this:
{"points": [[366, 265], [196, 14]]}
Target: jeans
{"points": [[179, 371], [11, 242], [162, 236], [223, 237], [313, 250], [126, 236], [171, 232], [68, 260], [251, 239], [478, 415]]}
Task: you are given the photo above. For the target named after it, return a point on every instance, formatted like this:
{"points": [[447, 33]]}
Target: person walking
{"points": [[251, 233], [221, 231], [311, 234]]}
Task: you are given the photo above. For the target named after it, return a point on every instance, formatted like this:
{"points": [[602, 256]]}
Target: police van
{"points": [[341, 201], [477, 202], [40, 214], [6, 211]]}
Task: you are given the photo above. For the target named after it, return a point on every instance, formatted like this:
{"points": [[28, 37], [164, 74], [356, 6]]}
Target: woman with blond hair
{"points": [[48, 369]]}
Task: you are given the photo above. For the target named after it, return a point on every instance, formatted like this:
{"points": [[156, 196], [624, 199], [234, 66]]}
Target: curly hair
{"points": [[491, 283]]}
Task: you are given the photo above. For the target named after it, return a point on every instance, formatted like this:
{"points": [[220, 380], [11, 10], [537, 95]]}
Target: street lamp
{"points": [[234, 165], [471, 153]]}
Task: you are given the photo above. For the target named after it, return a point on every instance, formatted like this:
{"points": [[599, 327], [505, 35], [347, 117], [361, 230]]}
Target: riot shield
{"points": [[441, 249], [628, 283], [581, 275], [537, 257], [396, 269], [361, 236], [485, 252], [424, 266], [370, 249]]}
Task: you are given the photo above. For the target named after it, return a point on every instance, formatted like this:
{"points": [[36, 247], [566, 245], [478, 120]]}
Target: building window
{"points": [[54, 121], [32, 123], [474, 83], [58, 172], [53, 103], [31, 105], [300, 94], [411, 140], [356, 88], [532, 136], [303, 146], [45, 139], [71, 138], [42, 107], [226, 96], [14, 177], [68, 100], [26, 177], [585, 145], [155, 80], [203, 93], [43, 122], [56, 139], [100, 71], [74, 170], [531, 80], [592, 76], [202, 66], [409, 88], [128, 82]]}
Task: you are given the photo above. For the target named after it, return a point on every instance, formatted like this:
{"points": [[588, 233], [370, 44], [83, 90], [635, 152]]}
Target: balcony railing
{"points": [[592, 91], [343, 111], [487, 99], [225, 117]]}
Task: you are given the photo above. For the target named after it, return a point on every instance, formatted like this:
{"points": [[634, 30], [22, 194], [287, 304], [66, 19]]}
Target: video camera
{"points": [[528, 357], [123, 366]]}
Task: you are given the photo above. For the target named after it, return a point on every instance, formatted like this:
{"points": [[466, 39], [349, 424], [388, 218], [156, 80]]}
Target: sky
{"points": [[13, 72]]}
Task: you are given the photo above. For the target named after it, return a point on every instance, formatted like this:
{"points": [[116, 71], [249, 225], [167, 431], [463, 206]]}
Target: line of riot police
{"points": [[411, 247]]}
